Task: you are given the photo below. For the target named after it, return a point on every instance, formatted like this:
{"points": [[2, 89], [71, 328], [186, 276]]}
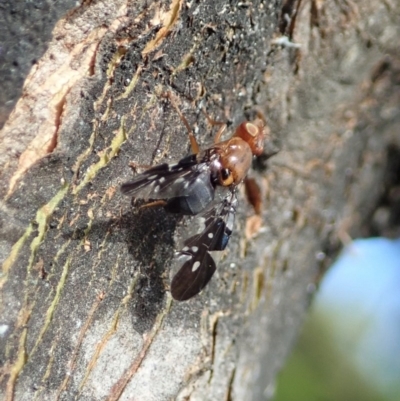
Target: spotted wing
{"points": [[199, 266], [165, 180]]}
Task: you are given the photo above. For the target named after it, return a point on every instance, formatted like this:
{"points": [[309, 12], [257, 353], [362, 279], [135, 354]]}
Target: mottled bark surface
{"points": [[85, 308]]}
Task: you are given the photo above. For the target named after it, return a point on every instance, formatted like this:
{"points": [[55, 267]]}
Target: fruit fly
{"points": [[204, 183]]}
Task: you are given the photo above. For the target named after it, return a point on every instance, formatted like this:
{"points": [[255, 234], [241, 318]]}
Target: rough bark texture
{"points": [[85, 309]]}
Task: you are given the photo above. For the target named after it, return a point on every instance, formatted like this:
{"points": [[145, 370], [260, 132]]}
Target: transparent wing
{"points": [[199, 266]]}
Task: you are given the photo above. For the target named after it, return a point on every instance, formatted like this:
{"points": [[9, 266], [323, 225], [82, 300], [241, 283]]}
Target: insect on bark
{"points": [[204, 183]]}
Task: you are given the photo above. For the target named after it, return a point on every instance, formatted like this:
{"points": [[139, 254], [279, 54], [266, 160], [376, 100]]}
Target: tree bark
{"points": [[86, 312]]}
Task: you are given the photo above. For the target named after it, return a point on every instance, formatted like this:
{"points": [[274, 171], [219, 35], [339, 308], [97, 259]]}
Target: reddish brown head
{"points": [[253, 134]]}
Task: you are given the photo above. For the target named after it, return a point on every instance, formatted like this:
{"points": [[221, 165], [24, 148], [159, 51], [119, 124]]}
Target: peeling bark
{"points": [[85, 310]]}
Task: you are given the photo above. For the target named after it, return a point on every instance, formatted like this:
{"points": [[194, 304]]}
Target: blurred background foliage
{"points": [[349, 348]]}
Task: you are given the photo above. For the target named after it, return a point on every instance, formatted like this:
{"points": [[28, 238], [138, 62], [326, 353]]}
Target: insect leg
{"points": [[136, 166], [155, 203], [211, 121], [217, 138], [193, 142], [253, 193]]}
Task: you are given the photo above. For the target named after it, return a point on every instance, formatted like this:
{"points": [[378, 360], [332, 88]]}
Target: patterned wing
{"points": [[165, 180], [187, 187], [199, 266]]}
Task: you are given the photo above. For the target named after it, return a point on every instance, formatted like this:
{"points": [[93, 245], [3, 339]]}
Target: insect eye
{"points": [[225, 177], [252, 129]]}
